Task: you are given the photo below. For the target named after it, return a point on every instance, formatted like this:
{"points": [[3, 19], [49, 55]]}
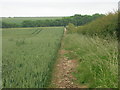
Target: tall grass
{"points": [[28, 57], [98, 64], [95, 46]]}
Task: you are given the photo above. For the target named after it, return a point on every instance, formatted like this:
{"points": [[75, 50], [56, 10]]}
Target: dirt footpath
{"points": [[62, 74]]}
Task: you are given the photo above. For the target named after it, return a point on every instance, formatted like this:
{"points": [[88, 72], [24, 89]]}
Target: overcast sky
{"points": [[55, 7]]}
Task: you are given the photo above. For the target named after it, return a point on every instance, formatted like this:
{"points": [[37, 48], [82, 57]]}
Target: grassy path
{"points": [[64, 67]]}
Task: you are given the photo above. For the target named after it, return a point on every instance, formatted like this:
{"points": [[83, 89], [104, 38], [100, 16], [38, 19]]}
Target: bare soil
{"points": [[62, 74]]}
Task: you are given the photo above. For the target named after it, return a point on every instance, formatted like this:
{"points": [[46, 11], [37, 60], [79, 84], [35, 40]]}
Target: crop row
{"points": [[28, 60]]}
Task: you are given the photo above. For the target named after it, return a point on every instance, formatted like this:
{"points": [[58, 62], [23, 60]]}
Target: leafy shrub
{"points": [[104, 26]]}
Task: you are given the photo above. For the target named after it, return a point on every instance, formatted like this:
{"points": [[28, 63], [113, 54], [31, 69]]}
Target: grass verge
{"points": [[98, 64]]}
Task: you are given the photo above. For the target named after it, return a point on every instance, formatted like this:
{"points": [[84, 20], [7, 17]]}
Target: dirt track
{"points": [[62, 77]]}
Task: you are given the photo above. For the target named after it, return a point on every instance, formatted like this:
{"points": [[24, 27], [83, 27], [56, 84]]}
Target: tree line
{"points": [[77, 20]]}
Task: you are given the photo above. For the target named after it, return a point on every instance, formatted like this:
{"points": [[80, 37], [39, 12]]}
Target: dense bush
{"points": [[71, 28], [103, 26], [8, 25]]}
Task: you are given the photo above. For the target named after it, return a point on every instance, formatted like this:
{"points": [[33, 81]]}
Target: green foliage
{"points": [[95, 47], [78, 19], [28, 23], [28, 56], [39, 22], [71, 28], [98, 63], [103, 26], [8, 25]]}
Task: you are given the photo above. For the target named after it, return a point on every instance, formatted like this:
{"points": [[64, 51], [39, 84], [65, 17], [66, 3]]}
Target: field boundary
{"points": [[63, 69]]}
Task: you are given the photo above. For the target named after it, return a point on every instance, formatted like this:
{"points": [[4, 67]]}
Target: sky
{"points": [[37, 8]]}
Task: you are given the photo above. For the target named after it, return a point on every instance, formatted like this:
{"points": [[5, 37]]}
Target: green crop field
{"points": [[28, 56], [19, 20]]}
